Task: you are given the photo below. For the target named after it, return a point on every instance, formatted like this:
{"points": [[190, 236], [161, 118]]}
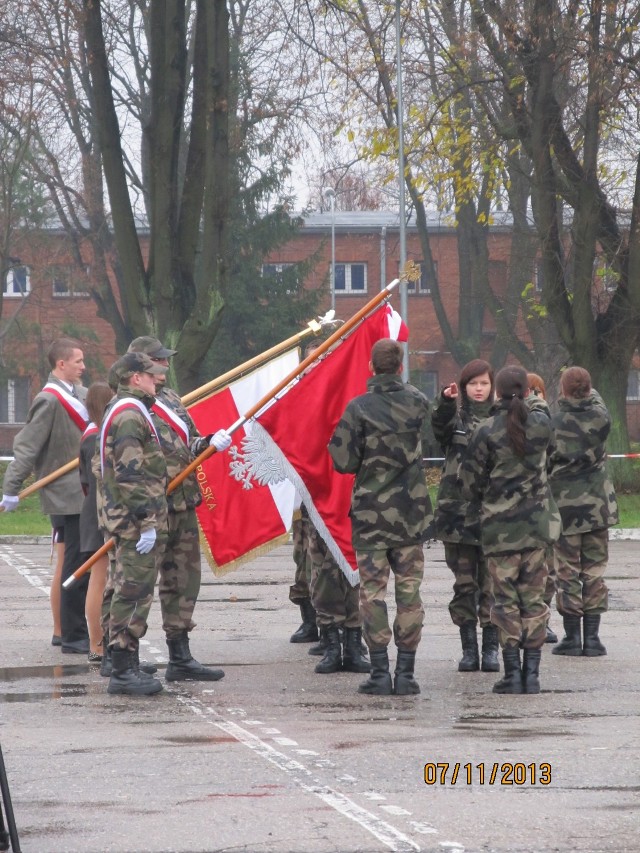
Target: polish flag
{"points": [[295, 432], [241, 518]]}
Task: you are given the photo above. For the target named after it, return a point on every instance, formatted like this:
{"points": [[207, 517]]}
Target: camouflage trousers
{"points": [[133, 583], [180, 574], [300, 535], [519, 611], [550, 586], [375, 567], [581, 561], [472, 599], [335, 601]]}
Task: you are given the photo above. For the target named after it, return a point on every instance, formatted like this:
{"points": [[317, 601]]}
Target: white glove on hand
{"points": [[9, 502], [221, 440], [146, 541]]}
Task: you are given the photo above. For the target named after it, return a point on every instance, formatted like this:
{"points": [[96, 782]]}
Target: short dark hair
{"points": [[61, 348], [576, 383], [386, 356]]}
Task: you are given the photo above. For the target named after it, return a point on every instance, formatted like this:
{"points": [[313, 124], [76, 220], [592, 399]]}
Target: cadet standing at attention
{"points": [[587, 502], [133, 510], [505, 469], [378, 439]]}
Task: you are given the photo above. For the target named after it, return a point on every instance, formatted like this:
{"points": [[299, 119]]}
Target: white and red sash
{"points": [[172, 419], [91, 429], [75, 408], [119, 406]]}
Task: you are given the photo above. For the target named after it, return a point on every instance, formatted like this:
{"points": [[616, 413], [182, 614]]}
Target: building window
{"points": [[64, 283], [633, 385], [14, 400], [282, 275], [422, 287], [538, 278], [350, 278], [426, 381], [17, 282]]}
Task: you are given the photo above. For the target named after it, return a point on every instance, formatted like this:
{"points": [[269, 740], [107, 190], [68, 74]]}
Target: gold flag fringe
{"points": [[227, 568]]}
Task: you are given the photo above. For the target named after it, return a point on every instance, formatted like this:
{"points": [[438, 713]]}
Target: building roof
{"points": [[372, 220]]}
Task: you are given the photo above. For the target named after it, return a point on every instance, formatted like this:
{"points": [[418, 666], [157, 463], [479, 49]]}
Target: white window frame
{"points": [[11, 391], [348, 268], [64, 276], [422, 287], [10, 287]]}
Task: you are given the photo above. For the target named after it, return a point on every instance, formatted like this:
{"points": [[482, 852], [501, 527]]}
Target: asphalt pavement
{"points": [[275, 758]]}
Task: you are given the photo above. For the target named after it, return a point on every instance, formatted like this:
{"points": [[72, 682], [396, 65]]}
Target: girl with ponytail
{"points": [[505, 471]]}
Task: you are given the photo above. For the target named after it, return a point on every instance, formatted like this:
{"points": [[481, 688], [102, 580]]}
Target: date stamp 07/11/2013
{"points": [[496, 773]]}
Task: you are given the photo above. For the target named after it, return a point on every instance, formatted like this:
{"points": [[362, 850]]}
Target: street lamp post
{"points": [[401, 187], [330, 193]]}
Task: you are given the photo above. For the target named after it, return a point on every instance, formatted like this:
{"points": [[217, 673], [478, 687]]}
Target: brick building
{"points": [[45, 296]]}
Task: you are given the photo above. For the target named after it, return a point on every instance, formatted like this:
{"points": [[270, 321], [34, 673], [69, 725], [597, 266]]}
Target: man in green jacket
{"points": [[379, 440]]}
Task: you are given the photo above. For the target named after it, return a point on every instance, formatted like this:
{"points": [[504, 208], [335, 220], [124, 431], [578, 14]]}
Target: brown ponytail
{"points": [[511, 387]]}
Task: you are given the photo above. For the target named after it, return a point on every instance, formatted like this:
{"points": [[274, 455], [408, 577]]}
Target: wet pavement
{"points": [[275, 758]]}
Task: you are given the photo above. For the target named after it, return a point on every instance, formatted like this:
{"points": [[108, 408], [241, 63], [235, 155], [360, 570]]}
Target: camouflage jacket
{"points": [[134, 477], [517, 508], [48, 440], [577, 470], [378, 440], [456, 520], [178, 454]]}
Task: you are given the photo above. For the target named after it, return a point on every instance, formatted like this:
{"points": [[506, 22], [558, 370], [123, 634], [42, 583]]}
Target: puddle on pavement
{"points": [[198, 741], [62, 692], [18, 673]]}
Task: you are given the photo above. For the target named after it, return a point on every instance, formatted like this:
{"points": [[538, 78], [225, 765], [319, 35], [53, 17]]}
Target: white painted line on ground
{"points": [[30, 571], [302, 777]]}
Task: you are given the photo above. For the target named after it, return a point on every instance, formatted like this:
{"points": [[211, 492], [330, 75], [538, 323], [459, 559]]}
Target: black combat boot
{"points": [[183, 667], [404, 684], [307, 632], [551, 637], [352, 659], [571, 643], [512, 680], [379, 682], [490, 646], [321, 646], [592, 646], [332, 660], [470, 661], [126, 680], [105, 665], [530, 670]]}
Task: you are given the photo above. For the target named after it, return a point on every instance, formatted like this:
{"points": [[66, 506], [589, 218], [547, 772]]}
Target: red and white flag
{"points": [[294, 433], [240, 518]]}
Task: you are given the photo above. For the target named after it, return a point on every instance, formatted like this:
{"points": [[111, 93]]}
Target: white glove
{"points": [[146, 541], [9, 502], [220, 440]]}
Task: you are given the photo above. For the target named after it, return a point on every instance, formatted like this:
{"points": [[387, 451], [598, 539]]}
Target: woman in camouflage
{"points": [[505, 469], [457, 521], [587, 504], [537, 400]]}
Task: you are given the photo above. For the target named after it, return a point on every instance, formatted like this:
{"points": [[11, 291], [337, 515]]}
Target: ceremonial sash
{"points": [[91, 429], [172, 419], [119, 406], [75, 408]]}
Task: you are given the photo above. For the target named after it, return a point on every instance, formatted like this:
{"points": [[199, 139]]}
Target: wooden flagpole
{"points": [[314, 356]]}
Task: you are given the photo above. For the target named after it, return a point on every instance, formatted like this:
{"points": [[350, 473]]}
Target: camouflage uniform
{"points": [[300, 590], [378, 440], [587, 503], [457, 521], [334, 599], [518, 520], [132, 486], [180, 571]]}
